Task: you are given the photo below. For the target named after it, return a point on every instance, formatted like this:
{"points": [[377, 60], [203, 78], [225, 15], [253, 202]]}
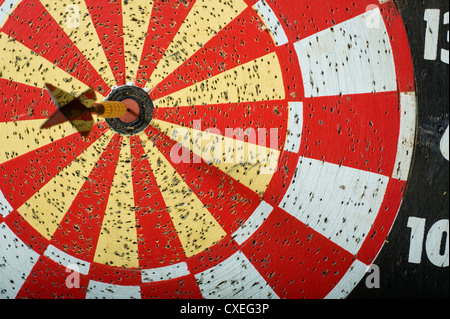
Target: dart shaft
{"points": [[110, 109]]}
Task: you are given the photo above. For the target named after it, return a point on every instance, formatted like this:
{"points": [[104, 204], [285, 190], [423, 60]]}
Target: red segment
{"points": [[115, 275], [400, 48], [252, 116], [83, 221], [158, 241], [23, 102], [251, 3], [282, 178], [179, 288], [23, 176], [292, 76], [26, 232], [166, 19], [296, 261], [301, 19], [35, 28], [359, 131], [227, 200], [107, 18], [383, 222], [241, 41], [47, 280], [213, 255]]}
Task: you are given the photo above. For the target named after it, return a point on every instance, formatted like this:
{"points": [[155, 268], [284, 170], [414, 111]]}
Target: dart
{"points": [[78, 110]]}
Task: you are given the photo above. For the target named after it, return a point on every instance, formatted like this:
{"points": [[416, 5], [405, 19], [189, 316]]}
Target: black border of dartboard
{"points": [[427, 193]]}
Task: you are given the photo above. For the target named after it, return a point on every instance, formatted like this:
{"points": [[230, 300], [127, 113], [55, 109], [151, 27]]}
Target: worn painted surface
{"points": [[304, 189]]}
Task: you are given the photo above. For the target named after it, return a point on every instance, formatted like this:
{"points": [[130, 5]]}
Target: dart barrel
{"points": [[110, 109]]}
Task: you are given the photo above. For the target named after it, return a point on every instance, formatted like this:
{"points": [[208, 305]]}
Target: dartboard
{"points": [[273, 163]]}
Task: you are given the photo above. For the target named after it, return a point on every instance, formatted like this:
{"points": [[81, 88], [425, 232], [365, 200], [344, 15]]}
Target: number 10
{"points": [[436, 244]]}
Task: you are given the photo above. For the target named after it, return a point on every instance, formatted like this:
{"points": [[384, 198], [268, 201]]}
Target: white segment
{"points": [[67, 260], [5, 207], [444, 144], [100, 290], [432, 17], [349, 58], [349, 281], [165, 273], [234, 278], [5, 9], [255, 221], [295, 127], [272, 22], [16, 262], [407, 135], [339, 202]]}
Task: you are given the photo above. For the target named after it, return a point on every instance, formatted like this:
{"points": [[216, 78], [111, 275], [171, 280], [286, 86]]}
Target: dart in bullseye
{"points": [[78, 110]]}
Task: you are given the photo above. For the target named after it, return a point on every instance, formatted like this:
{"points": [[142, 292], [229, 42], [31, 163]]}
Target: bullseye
{"points": [[139, 110], [133, 111]]}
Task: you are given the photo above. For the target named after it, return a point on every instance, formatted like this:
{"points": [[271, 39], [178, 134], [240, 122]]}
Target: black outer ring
{"points": [[145, 105]]}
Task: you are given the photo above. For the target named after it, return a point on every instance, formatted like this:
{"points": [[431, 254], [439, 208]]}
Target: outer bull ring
{"points": [[285, 154]]}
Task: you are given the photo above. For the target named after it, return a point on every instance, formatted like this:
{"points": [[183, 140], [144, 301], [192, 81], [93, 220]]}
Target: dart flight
{"points": [[78, 110]]}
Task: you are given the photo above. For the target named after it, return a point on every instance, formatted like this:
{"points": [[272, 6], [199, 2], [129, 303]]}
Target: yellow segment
{"points": [[136, 17], [257, 80], [74, 18], [20, 64], [21, 137], [117, 243], [197, 229], [45, 210], [250, 164], [204, 21]]}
